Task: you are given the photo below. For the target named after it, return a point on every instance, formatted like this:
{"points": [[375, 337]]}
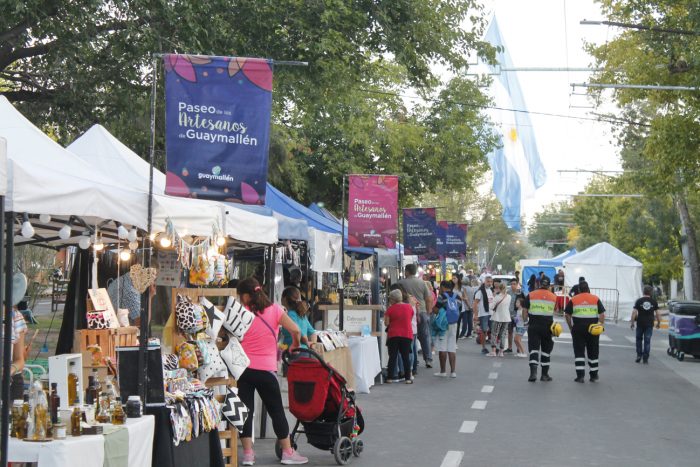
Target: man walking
{"points": [[583, 312], [538, 310], [483, 298], [643, 313], [424, 296]]}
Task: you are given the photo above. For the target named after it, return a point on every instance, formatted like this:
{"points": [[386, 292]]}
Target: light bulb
{"points": [[221, 241], [132, 236], [27, 230], [165, 242], [99, 246], [122, 233], [125, 255], [367, 276], [64, 233], [133, 245], [384, 271], [212, 251], [84, 242], [44, 218], [152, 237]]}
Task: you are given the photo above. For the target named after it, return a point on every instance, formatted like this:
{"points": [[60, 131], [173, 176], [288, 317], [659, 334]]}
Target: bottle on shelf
{"points": [[91, 391], [75, 419], [54, 403], [19, 421], [59, 429], [102, 414], [73, 397], [41, 417], [96, 376]]}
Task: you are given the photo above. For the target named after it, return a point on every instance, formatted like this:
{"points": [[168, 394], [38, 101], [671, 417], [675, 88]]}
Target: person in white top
{"points": [[500, 317], [482, 304]]}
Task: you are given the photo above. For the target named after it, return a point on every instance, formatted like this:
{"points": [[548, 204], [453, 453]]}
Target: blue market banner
{"points": [[441, 239], [217, 127], [419, 232], [456, 241]]}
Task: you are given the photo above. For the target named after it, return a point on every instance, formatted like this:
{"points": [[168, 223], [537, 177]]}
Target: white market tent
{"points": [[606, 267], [189, 216], [45, 178]]}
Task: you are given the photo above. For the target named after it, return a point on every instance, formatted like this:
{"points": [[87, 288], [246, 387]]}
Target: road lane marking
{"points": [[468, 426], [487, 389], [479, 405], [631, 339], [604, 338], [497, 364], [493, 375], [452, 459]]}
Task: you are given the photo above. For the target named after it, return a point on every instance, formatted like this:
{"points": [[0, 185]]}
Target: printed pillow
{"points": [[235, 358], [216, 367], [237, 319], [234, 410], [215, 318]]}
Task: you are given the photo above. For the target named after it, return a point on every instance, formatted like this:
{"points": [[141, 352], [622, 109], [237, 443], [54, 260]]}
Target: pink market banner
{"points": [[217, 127], [456, 241], [419, 228], [373, 211]]}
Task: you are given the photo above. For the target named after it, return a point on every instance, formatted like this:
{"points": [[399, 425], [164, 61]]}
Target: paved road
{"points": [[637, 415]]}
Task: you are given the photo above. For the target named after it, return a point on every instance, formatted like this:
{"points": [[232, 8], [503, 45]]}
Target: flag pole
{"points": [[341, 289]]}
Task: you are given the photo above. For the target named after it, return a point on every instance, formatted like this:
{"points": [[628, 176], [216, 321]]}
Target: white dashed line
{"points": [[468, 426], [452, 459], [497, 364], [631, 339], [479, 405], [487, 389], [493, 375]]}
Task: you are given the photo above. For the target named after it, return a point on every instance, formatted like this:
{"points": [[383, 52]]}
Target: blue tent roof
{"points": [[289, 228], [283, 204], [557, 261]]}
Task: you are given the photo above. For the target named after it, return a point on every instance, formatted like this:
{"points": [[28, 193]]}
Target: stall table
{"points": [[365, 361], [340, 359], [87, 450]]}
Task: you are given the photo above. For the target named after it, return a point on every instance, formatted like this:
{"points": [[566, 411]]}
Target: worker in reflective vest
{"points": [[582, 311], [538, 312]]}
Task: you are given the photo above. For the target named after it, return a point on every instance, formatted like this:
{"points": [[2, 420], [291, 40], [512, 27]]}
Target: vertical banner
{"points": [[217, 127], [419, 232], [441, 239], [373, 210], [456, 241]]}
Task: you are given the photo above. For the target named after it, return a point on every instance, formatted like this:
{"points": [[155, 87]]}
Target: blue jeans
{"points": [[644, 332], [412, 358], [466, 323]]}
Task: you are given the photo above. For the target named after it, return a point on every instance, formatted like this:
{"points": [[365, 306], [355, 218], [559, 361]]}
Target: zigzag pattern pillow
{"points": [[234, 410], [237, 320]]}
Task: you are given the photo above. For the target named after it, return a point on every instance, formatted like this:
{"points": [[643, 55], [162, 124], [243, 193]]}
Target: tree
{"points": [[552, 225], [73, 63], [668, 120]]}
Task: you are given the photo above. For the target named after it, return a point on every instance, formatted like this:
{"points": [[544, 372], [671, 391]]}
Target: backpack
{"points": [[451, 308], [440, 323]]}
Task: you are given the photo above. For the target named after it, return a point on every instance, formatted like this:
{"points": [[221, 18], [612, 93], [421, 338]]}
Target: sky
{"points": [[547, 33]]}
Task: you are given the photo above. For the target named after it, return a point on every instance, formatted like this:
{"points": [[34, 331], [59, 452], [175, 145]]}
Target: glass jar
{"points": [[133, 407]]}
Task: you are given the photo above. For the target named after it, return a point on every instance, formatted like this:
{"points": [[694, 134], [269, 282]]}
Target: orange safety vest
{"points": [[542, 303], [585, 305]]}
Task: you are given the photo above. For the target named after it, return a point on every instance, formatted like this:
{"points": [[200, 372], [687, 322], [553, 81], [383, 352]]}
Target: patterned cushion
{"points": [[237, 320], [234, 410], [235, 358], [215, 367]]}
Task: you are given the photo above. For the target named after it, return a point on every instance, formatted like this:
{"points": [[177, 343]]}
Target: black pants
{"points": [[400, 345], [268, 387], [539, 341], [585, 345], [17, 387]]}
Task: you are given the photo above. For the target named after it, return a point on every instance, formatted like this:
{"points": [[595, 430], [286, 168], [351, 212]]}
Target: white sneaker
{"points": [[521, 355], [440, 375], [453, 375]]}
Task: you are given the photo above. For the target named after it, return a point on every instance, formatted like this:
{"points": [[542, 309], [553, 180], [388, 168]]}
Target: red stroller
{"points": [[324, 407]]}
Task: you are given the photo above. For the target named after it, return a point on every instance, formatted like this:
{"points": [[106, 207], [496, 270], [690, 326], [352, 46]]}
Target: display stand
{"points": [[230, 436], [108, 340], [355, 318]]}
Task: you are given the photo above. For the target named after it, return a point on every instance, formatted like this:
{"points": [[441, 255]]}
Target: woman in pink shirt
{"points": [[260, 344]]}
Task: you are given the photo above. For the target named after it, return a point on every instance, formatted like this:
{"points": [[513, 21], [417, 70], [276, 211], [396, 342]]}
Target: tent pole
{"points": [[6, 242], [341, 289]]}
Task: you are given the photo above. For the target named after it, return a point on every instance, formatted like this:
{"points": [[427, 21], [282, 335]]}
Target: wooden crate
{"points": [[108, 340]]}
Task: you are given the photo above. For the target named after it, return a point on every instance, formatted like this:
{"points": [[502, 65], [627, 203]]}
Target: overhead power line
{"points": [[641, 27], [648, 87]]}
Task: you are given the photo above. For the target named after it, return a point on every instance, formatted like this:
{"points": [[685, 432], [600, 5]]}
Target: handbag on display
{"points": [[170, 362], [187, 355], [188, 315], [235, 358], [97, 320], [237, 320], [234, 410]]}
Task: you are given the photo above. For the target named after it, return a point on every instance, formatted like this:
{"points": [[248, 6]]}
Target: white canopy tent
{"points": [[45, 178], [189, 216], [606, 267]]}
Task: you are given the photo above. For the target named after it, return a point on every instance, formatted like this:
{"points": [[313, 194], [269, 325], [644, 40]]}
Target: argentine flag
{"points": [[517, 169]]}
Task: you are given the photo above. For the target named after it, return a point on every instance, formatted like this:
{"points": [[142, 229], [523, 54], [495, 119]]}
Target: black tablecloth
{"points": [[204, 450]]}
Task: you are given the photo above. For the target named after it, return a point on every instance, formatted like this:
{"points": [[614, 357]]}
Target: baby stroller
{"points": [[324, 407]]}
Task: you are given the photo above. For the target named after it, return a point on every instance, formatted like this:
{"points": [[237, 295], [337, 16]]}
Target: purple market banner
{"points": [[456, 241], [419, 232], [373, 210], [441, 239], [217, 127]]}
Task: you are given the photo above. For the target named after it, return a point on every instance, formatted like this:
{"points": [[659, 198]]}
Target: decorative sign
{"points": [[372, 210], [354, 320], [101, 302], [419, 232], [456, 241], [217, 127], [169, 269], [441, 239]]}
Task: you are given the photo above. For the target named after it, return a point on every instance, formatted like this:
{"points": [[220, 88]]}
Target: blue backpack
{"points": [[452, 308], [439, 323]]}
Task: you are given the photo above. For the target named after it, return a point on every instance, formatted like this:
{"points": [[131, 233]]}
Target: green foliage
{"points": [[74, 63], [549, 226]]}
